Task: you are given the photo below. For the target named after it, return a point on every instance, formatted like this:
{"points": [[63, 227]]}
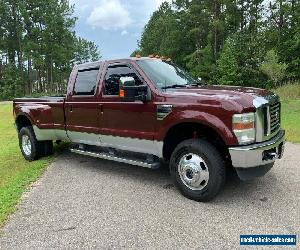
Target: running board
{"points": [[106, 156]]}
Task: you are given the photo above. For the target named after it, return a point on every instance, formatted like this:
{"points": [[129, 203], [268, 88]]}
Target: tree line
{"points": [[38, 47], [241, 42]]}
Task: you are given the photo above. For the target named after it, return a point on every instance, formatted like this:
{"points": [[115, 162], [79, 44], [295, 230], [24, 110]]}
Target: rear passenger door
{"points": [[82, 110]]}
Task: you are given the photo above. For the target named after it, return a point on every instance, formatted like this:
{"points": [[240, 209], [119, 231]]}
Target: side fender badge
{"points": [[163, 110]]}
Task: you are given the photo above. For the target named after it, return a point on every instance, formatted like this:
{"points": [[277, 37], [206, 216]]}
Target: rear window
{"points": [[85, 83]]}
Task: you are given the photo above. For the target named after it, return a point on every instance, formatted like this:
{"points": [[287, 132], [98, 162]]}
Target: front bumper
{"points": [[259, 154]]}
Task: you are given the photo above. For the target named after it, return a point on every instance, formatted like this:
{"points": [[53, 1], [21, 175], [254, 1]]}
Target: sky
{"points": [[114, 25]]}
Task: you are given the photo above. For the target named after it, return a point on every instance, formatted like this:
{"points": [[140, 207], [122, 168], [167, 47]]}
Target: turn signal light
{"points": [[240, 126], [243, 126]]}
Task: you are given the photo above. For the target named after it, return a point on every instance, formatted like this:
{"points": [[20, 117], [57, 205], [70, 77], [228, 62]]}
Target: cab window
{"points": [[113, 75], [85, 83]]}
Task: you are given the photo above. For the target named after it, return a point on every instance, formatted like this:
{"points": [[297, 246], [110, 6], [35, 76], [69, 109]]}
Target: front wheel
{"points": [[198, 169]]}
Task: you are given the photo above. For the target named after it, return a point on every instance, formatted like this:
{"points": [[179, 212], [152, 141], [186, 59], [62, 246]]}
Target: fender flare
{"points": [[27, 116], [201, 118]]}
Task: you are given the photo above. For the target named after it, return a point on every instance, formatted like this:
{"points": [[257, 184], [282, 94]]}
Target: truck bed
{"points": [[46, 113]]}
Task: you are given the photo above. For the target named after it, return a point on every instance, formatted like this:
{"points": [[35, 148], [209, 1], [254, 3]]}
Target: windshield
{"points": [[166, 74]]}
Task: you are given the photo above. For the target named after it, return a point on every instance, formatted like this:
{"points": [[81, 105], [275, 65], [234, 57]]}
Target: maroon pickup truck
{"points": [[146, 111]]}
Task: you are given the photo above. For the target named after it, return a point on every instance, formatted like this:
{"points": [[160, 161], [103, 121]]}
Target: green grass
{"points": [[289, 91], [291, 119], [290, 98], [16, 173]]}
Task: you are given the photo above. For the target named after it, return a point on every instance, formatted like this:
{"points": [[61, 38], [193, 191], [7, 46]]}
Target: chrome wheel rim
{"points": [[193, 171], [26, 145]]}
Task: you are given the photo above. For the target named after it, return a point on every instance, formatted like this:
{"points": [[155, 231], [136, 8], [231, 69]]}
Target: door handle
{"points": [[100, 106]]}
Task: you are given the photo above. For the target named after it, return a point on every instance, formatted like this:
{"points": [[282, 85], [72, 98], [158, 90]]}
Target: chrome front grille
{"points": [[267, 117], [274, 112]]}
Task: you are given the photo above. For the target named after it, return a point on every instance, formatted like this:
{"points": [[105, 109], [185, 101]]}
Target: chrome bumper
{"points": [[258, 154]]}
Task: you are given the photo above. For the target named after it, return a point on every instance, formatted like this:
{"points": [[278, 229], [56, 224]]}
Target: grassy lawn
{"points": [[15, 172], [291, 119], [290, 99]]}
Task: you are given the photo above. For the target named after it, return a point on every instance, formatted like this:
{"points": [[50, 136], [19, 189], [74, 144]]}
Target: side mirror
{"points": [[126, 81], [131, 92]]}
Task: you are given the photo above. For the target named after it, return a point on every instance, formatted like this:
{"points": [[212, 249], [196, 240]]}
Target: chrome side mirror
{"points": [[126, 81], [130, 92]]}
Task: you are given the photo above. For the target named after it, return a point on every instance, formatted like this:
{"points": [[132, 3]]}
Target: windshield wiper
{"points": [[196, 84], [175, 86]]}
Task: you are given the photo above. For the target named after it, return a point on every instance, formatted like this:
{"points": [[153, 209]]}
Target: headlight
{"points": [[243, 126]]}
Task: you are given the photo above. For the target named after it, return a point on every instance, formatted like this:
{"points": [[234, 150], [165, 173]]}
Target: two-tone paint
{"points": [[135, 126]]}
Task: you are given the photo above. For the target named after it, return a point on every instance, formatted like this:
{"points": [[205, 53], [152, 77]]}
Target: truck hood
{"points": [[222, 95]]}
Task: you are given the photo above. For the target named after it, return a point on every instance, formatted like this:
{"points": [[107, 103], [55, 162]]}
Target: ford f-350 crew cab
{"points": [[144, 111]]}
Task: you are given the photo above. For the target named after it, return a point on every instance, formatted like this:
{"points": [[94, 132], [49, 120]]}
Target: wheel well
{"points": [[22, 121], [184, 131]]}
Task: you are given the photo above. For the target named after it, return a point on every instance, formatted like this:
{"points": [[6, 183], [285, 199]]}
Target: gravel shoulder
{"points": [[83, 203]]}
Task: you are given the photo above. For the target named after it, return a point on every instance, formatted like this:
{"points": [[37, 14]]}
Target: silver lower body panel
{"points": [[151, 147], [50, 134]]}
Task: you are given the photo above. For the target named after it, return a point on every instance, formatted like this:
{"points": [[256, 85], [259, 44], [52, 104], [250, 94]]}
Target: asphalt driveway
{"points": [[83, 202]]}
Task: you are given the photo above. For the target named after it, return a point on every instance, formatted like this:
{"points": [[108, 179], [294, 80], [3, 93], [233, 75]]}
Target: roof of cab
{"points": [[98, 63]]}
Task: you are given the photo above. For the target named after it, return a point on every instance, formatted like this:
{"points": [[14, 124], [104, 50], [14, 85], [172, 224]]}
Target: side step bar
{"points": [[106, 156]]}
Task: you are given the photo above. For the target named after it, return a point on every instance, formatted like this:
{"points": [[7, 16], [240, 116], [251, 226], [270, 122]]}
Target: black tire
{"points": [[37, 147], [215, 166]]}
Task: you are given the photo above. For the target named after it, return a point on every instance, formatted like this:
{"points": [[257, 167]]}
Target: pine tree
{"points": [[273, 68], [227, 67], [38, 46]]}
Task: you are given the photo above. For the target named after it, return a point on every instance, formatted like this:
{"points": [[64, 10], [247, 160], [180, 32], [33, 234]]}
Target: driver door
{"points": [[126, 125]]}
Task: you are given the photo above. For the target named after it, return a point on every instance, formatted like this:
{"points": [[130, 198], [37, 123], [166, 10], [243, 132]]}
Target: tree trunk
{"points": [[293, 14], [51, 74], [217, 13], [29, 86], [242, 15], [281, 21]]}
